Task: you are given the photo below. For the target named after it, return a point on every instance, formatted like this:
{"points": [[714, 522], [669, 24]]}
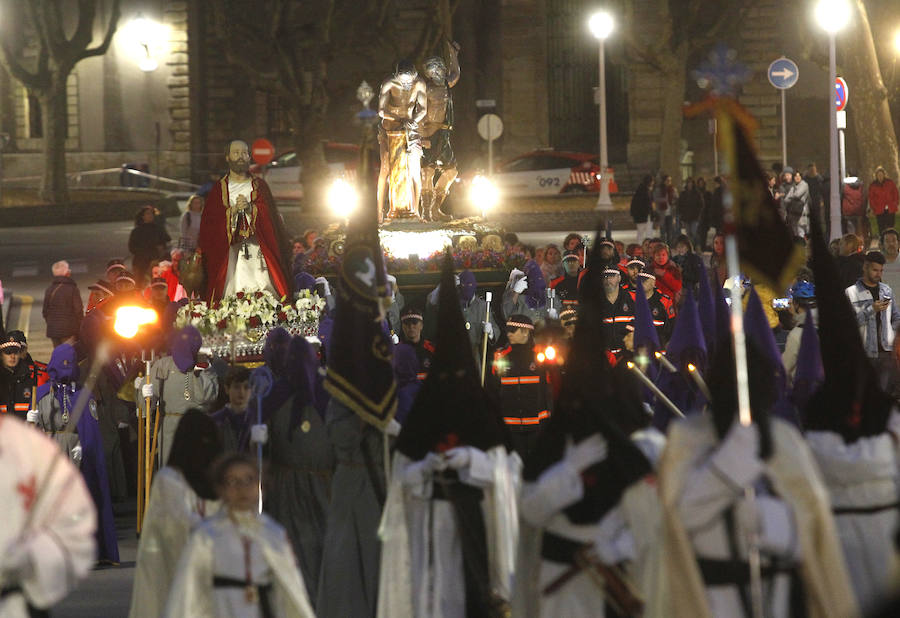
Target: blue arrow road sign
{"points": [[783, 73]]}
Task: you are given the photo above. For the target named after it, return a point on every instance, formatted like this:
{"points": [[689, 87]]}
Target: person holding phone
{"points": [[878, 319]]}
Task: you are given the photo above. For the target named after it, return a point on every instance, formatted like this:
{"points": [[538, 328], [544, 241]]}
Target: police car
{"points": [[284, 172], [547, 172]]}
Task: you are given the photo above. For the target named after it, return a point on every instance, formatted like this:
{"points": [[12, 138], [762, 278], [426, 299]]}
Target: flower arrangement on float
{"points": [[242, 320]]}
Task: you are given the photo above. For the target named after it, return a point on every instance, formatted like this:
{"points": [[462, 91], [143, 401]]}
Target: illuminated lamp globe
{"points": [[601, 25], [832, 15]]}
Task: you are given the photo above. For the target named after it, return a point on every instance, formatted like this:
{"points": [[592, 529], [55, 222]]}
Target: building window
{"points": [[35, 119]]}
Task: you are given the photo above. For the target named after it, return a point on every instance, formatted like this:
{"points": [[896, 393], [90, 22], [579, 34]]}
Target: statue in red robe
{"points": [[242, 238]]}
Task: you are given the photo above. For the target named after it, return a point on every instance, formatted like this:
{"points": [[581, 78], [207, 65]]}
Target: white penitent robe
{"points": [[246, 265], [862, 480], [49, 520], [422, 559], [173, 511], [701, 478], [226, 546], [627, 535]]}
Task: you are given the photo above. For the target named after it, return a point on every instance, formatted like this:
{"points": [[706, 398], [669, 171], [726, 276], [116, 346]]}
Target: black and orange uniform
{"points": [[662, 310], [16, 385], [525, 400], [566, 289], [616, 316]]}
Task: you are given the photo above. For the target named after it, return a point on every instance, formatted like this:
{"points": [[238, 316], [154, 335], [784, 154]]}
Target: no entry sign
{"points": [[262, 151]]}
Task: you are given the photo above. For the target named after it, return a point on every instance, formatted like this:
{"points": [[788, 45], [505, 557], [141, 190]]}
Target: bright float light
{"points": [[601, 25], [832, 15], [541, 357], [483, 193], [691, 367], [550, 352], [423, 244], [897, 41], [145, 40], [130, 319], [342, 198]]}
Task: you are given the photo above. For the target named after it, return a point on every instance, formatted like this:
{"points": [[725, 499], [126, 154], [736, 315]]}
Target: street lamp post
{"points": [[601, 25], [832, 16]]}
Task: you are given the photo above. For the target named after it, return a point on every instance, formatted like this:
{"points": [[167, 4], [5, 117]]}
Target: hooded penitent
{"points": [[452, 408], [645, 335], [850, 402], [593, 400], [275, 350], [467, 286], [706, 305], [62, 387], [687, 345], [757, 329], [810, 373], [302, 366], [184, 346], [536, 292]]}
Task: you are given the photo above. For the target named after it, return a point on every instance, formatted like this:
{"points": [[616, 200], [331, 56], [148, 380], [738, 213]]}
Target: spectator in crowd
{"points": [[665, 197], [642, 208], [190, 223], [816, 189], [703, 229], [551, 267], [690, 210], [147, 243], [802, 307], [63, 310], [796, 201], [668, 275], [878, 318], [890, 246], [883, 199], [853, 208], [850, 259], [718, 267], [572, 241]]}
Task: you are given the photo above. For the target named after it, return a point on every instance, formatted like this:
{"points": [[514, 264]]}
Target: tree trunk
{"points": [[54, 187], [869, 109], [674, 79], [308, 135]]}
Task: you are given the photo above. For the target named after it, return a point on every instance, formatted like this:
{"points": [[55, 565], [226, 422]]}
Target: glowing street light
{"points": [[342, 198], [146, 39], [832, 16], [601, 25]]}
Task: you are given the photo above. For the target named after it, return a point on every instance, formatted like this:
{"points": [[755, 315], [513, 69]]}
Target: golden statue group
{"points": [[414, 138]]}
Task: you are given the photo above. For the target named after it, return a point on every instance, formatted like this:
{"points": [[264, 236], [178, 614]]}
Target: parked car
{"points": [[284, 173], [548, 172]]}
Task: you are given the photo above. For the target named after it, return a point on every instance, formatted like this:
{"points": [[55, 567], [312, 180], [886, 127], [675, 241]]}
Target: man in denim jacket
{"points": [[878, 318]]}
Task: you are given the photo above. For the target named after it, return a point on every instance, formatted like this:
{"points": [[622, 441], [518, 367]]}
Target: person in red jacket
{"points": [[668, 275], [883, 199]]}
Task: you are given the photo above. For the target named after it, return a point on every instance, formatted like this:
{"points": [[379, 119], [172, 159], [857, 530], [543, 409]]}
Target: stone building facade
{"points": [[534, 58]]}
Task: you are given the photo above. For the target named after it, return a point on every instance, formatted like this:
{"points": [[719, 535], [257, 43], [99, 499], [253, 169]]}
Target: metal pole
{"points": [[842, 151], [715, 146], [603, 201], [783, 130], [834, 172]]}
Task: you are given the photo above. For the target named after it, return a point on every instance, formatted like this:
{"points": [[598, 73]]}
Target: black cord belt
{"points": [[734, 573], [863, 510]]}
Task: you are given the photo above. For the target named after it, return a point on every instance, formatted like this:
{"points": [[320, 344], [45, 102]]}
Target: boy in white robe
{"points": [[47, 541], [238, 563], [180, 497], [450, 521]]}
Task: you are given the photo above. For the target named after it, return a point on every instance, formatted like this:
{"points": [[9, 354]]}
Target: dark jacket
{"points": [[690, 205], [148, 242], [15, 389], [63, 310], [641, 204], [525, 399], [849, 268]]}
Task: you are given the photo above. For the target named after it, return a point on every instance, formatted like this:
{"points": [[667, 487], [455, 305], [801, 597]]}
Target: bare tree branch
{"points": [[111, 27]]}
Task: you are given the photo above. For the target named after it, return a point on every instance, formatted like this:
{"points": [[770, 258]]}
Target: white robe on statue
{"points": [[422, 560], [173, 512], [862, 476], [48, 517], [216, 549], [246, 268]]}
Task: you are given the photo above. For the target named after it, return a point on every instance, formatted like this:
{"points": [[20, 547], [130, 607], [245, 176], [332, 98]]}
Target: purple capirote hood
{"points": [[184, 345], [63, 365], [467, 286]]}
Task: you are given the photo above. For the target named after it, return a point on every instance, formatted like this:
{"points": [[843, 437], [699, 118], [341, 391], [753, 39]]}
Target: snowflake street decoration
{"points": [[721, 73]]}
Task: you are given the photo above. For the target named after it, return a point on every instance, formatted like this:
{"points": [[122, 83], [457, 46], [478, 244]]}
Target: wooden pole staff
{"points": [[484, 342]]}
